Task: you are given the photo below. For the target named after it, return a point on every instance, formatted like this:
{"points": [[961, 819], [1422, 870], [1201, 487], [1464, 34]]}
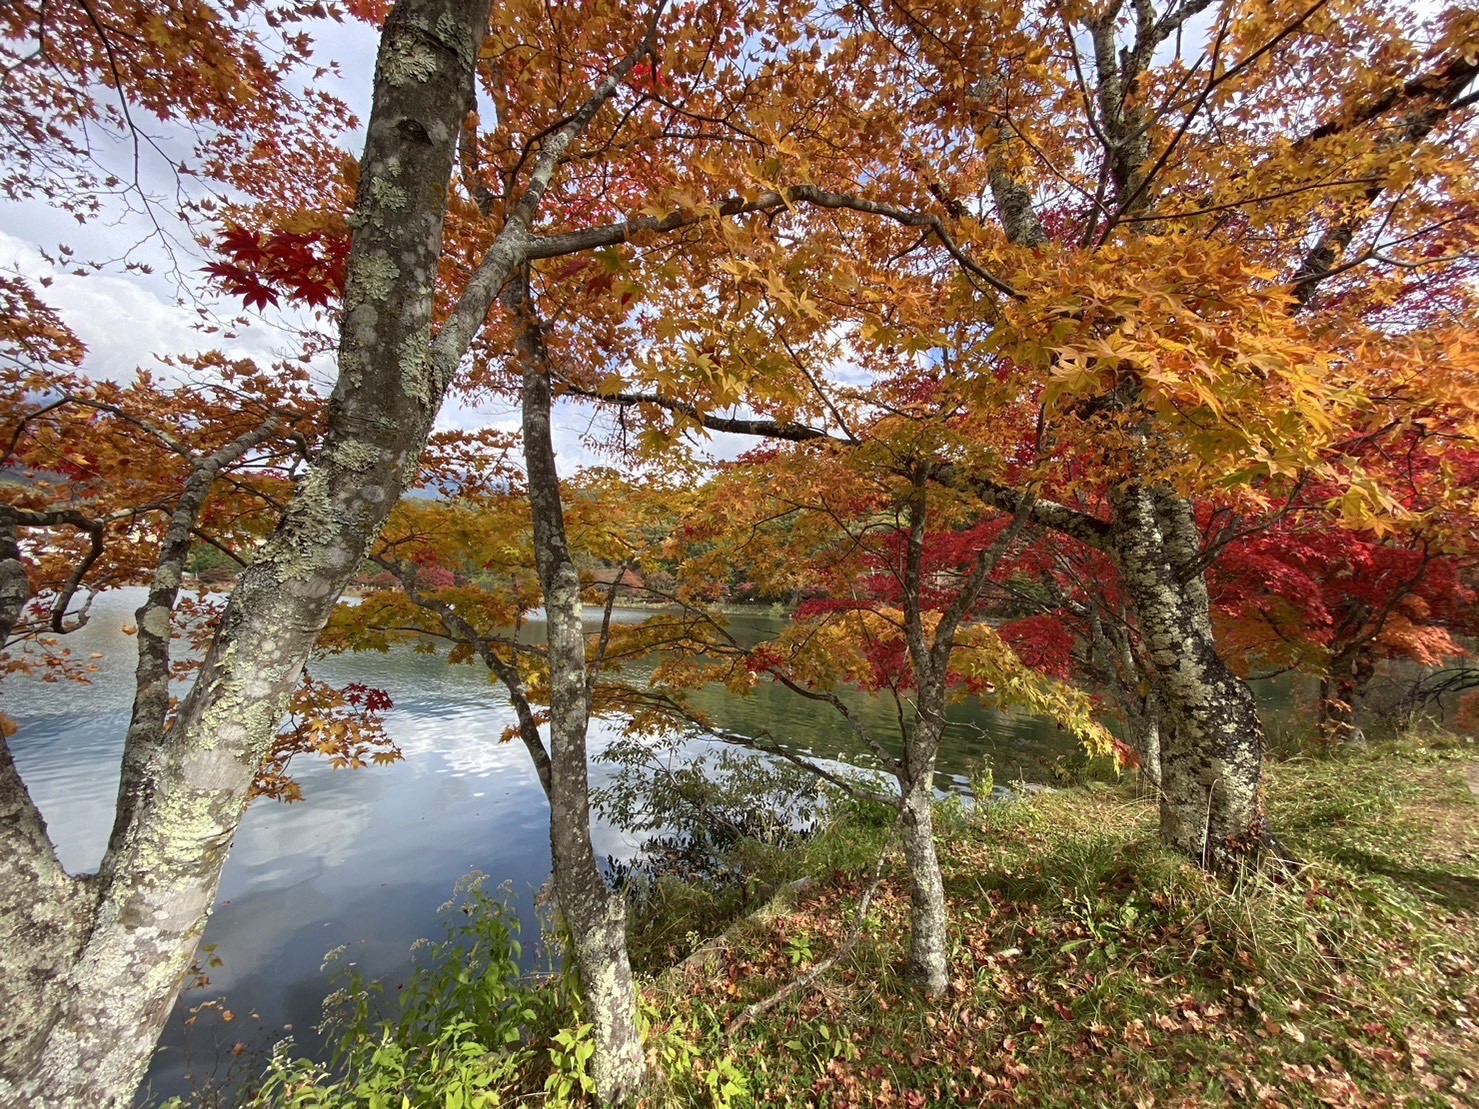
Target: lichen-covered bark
{"points": [[929, 657], [43, 914], [595, 914], [1143, 726], [928, 921], [43, 911], [159, 877], [152, 672], [98, 1022], [1211, 735], [15, 587], [928, 927]]}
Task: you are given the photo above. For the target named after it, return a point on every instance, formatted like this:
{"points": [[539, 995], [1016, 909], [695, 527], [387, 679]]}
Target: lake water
{"points": [[365, 859]]}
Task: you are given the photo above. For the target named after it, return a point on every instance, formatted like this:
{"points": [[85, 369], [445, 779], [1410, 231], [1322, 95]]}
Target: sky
{"points": [[126, 318]]}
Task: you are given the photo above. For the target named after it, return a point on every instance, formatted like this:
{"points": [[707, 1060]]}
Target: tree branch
{"points": [[1443, 88], [508, 673], [1089, 530], [513, 245], [758, 427], [553, 246], [152, 672]]}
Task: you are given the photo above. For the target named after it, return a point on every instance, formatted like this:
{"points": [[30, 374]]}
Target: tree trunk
{"points": [[15, 587], [43, 919], [1143, 725], [99, 1017], [928, 920], [1335, 716], [1340, 691], [595, 915], [1211, 738]]}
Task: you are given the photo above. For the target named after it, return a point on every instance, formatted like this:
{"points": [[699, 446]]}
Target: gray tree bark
{"points": [[15, 587], [107, 953], [152, 673], [92, 1021], [595, 914], [1211, 736], [929, 923], [1144, 726]]}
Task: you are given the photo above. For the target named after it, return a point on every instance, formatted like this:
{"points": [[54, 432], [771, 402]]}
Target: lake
{"points": [[365, 859]]}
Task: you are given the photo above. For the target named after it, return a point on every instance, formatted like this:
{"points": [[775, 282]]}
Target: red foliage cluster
{"points": [[1043, 642], [1332, 589], [264, 267], [644, 78], [368, 698]]}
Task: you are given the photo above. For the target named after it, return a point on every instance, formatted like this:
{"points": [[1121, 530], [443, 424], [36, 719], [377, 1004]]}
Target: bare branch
{"points": [[759, 427], [790, 990], [1442, 91]]}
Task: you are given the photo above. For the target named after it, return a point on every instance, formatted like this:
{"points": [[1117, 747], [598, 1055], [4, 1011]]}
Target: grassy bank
{"points": [[1089, 967]]}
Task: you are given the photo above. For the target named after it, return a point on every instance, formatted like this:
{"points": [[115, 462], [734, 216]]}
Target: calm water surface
{"points": [[365, 859]]}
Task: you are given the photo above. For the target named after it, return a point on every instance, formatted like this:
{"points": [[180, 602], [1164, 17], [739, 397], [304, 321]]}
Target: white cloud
{"points": [[124, 323]]}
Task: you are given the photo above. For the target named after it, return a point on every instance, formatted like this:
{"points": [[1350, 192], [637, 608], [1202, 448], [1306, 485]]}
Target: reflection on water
{"points": [[367, 857]]}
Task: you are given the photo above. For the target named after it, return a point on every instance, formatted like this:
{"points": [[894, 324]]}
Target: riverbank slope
{"points": [[1089, 967], [1092, 968]]}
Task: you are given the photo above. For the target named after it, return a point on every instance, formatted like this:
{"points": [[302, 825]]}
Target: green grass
{"points": [[1092, 967]]}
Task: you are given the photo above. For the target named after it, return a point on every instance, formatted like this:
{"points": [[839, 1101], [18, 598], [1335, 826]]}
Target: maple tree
{"points": [[1336, 605], [1065, 615], [899, 574], [164, 111], [414, 303], [1081, 264], [1132, 256], [466, 570], [158, 111]]}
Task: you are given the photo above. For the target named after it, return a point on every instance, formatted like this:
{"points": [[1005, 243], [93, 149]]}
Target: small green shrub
{"points": [[471, 1029]]}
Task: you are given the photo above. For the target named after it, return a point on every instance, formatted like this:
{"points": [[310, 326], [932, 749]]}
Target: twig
{"points": [[797, 985]]}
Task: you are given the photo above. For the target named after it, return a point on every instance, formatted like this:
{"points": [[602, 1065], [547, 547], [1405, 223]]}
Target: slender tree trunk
{"points": [[1144, 727], [1340, 691], [15, 587], [928, 920], [1335, 715], [1212, 738], [929, 964], [98, 1018], [594, 913], [152, 674]]}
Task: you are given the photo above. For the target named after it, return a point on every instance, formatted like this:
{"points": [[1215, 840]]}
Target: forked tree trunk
{"points": [[121, 943], [1351, 672], [594, 913], [1211, 738]]}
